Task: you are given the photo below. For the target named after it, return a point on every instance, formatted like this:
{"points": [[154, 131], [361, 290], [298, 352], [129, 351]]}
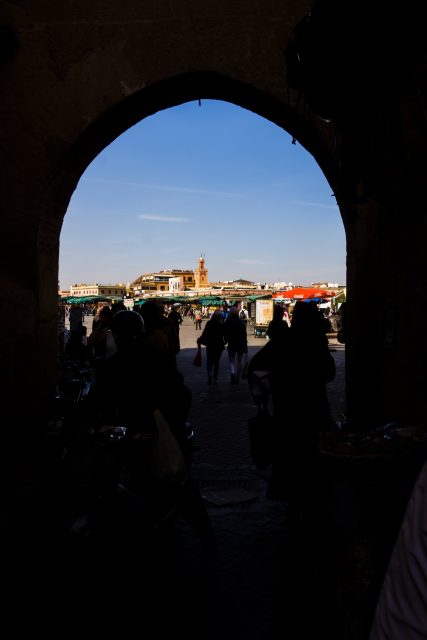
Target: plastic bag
{"points": [[197, 362], [167, 461]]}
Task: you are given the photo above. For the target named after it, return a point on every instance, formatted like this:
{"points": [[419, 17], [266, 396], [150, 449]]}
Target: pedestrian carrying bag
{"points": [[167, 461], [198, 358]]}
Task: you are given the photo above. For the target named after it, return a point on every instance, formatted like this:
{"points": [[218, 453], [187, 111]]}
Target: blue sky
{"points": [[213, 179]]}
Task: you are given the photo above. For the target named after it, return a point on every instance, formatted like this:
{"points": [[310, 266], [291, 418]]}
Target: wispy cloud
{"points": [[318, 205], [164, 187], [249, 261], [163, 218]]}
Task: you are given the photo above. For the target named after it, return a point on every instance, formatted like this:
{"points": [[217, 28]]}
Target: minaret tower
{"points": [[201, 274]]}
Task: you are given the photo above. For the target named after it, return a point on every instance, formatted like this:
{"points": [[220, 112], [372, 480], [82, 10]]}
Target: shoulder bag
{"points": [[167, 461]]}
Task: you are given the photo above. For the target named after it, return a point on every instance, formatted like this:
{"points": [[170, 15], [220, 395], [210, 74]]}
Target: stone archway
{"points": [[96, 137], [75, 77]]}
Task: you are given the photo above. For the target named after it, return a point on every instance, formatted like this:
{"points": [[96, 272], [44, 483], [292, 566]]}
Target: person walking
{"points": [[198, 319], [237, 343], [176, 318], [213, 339], [300, 366], [243, 315]]}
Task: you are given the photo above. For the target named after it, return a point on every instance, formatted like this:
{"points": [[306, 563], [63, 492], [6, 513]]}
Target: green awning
{"points": [[211, 302], [158, 300], [91, 299], [260, 297]]}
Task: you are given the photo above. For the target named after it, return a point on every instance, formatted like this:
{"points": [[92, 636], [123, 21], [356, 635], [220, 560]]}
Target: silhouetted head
{"points": [[306, 317], [127, 328], [105, 313], [118, 306], [218, 316], [152, 314], [278, 312]]}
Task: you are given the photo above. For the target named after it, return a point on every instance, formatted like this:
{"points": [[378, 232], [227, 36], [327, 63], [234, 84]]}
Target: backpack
{"points": [[242, 315]]}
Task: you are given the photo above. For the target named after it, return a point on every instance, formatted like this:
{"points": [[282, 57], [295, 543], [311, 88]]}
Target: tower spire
{"points": [[201, 273]]}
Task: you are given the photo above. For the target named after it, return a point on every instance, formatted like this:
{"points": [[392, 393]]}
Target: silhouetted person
{"points": [[176, 318], [97, 341], [213, 339], [277, 326], [74, 343], [342, 328], [136, 381], [243, 315], [237, 343], [159, 330], [198, 319], [300, 365]]}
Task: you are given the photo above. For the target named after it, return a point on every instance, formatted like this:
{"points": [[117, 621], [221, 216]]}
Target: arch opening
{"points": [[169, 192]]}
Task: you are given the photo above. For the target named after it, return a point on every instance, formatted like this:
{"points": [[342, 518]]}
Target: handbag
{"points": [[261, 439], [167, 461], [197, 362]]}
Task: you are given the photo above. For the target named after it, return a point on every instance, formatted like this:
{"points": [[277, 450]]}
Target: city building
{"points": [[165, 280], [96, 289], [201, 275]]}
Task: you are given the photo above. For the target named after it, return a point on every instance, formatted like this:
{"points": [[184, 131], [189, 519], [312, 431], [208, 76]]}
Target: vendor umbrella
{"points": [[303, 293]]}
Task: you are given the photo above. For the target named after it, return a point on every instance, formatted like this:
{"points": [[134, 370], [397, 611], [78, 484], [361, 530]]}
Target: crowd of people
{"points": [[134, 357], [133, 354], [224, 330]]}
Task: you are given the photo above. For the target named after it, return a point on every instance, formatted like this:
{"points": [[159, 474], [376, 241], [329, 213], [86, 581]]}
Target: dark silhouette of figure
{"points": [[160, 331], [300, 365], [97, 341], [176, 318], [74, 345], [118, 306], [138, 379], [237, 343], [342, 328], [311, 367], [213, 339], [277, 326], [243, 315]]}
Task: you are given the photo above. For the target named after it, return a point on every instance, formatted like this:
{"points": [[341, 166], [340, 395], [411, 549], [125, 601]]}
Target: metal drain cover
{"points": [[226, 497]]}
